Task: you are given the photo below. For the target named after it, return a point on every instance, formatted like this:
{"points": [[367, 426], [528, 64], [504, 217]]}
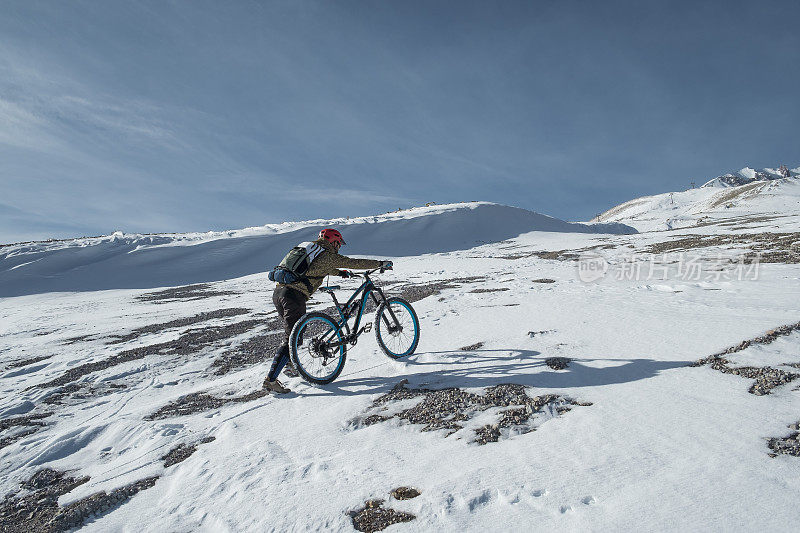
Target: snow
{"points": [[139, 261], [663, 446], [718, 201]]}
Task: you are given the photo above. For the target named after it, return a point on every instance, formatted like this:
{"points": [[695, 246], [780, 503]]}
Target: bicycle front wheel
{"points": [[396, 328], [317, 348]]}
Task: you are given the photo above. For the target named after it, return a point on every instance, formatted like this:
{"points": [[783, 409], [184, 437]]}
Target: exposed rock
{"points": [[414, 293], [252, 351], [79, 338], [471, 347], [75, 514], [31, 424], [82, 391], [187, 292], [375, 517], [449, 408], [178, 323], [557, 363], [497, 289], [198, 402], [181, 452], [404, 493], [25, 420], [20, 434], [789, 445], [768, 247], [190, 342], [26, 362], [767, 378], [33, 510]]}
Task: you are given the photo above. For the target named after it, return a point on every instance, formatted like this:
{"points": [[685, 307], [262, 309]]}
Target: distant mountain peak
{"points": [[750, 175], [736, 200]]}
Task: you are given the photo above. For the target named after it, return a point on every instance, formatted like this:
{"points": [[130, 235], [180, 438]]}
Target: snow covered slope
{"points": [[736, 199], [536, 401], [142, 261]]}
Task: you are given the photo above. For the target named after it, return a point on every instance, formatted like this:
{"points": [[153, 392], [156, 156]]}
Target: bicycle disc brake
{"points": [[319, 349]]}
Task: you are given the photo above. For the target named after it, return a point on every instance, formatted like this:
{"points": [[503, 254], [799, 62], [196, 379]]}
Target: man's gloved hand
{"points": [[345, 274], [387, 265]]}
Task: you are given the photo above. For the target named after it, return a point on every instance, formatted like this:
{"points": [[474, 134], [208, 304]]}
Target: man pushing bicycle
{"points": [[300, 274]]}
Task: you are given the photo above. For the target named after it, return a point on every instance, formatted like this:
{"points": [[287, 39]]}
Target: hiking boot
{"points": [[275, 386], [290, 371]]}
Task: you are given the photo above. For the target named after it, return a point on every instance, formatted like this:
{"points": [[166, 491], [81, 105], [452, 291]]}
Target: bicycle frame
{"points": [[358, 301]]}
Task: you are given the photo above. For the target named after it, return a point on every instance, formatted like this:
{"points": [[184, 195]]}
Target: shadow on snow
{"points": [[525, 367]]}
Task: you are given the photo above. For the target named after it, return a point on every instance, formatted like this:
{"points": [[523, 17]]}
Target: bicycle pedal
{"points": [[367, 327]]}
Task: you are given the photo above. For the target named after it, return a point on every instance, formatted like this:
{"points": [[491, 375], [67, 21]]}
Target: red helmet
{"points": [[332, 236]]}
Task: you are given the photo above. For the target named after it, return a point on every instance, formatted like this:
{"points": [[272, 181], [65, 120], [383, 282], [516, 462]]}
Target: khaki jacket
{"points": [[328, 263]]}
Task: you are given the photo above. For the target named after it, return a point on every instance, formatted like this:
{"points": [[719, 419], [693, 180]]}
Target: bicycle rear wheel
{"points": [[317, 348], [397, 332]]}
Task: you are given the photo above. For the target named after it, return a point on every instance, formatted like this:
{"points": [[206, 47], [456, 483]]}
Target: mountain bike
{"points": [[318, 342]]}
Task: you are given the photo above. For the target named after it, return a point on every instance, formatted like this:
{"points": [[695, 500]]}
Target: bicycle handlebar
{"points": [[367, 272]]}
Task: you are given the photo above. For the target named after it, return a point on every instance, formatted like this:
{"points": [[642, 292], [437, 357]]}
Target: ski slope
{"points": [[648, 442]]}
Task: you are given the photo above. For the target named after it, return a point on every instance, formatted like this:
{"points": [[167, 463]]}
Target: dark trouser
{"points": [[291, 305]]}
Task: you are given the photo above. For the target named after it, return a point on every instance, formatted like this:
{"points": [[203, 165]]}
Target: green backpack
{"points": [[294, 266]]}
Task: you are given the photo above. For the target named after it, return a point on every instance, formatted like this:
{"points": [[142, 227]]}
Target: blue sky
{"points": [[193, 116]]}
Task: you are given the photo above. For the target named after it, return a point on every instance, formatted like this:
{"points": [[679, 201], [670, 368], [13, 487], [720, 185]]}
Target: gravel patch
{"points": [[59, 396], [766, 338], [181, 452], [187, 292], [787, 445], [414, 293], [375, 517], [75, 514], [198, 402], [26, 362], [20, 427], [469, 348], [557, 255], [19, 434], [79, 338], [767, 378], [533, 334], [498, 289], [449, 408], [177, 323], [253, 351], [557, 363], [26, 420], [82, 391], [771, 247], [34, 508], [190, 342], [404, 493]]}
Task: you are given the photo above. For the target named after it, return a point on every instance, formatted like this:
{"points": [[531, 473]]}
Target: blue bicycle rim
{"points": [[341, 348], [416, 330]]}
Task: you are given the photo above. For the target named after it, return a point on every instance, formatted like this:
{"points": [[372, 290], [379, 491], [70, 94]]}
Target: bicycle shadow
{"points": [[480, 368]]}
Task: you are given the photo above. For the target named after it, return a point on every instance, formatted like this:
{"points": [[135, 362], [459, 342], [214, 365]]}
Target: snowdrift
{"points": [[122, 261]]}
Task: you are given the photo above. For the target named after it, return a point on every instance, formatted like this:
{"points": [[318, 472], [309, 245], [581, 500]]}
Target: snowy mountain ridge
{"points": [[142, 261], [738, 199], [749, 175]]}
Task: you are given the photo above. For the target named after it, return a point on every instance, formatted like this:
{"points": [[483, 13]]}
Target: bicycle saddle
{"points": [[331, 288]]}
